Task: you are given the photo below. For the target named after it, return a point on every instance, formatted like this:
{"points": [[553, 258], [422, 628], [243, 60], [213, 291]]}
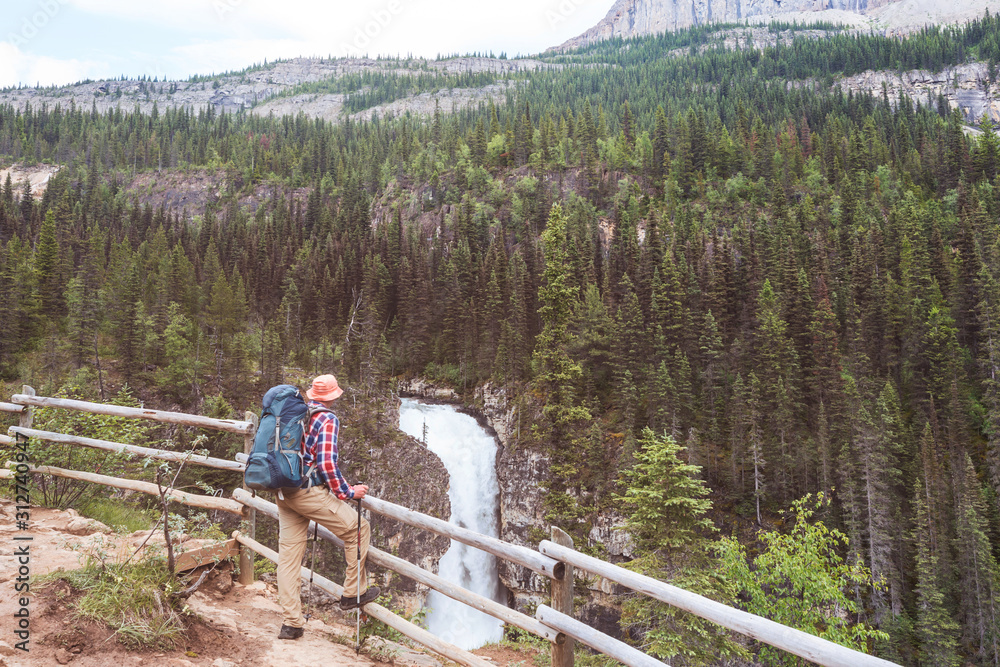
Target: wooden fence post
{"points": [[24, 420], [562, 601], [247, 554]]}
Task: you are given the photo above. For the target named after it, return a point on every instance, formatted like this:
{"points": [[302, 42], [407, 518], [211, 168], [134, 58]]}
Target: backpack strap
{"points": [[307, 479], [315, 411]]}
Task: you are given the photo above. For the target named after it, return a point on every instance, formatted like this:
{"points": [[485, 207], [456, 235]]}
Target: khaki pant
{"points": [[341, 518]]}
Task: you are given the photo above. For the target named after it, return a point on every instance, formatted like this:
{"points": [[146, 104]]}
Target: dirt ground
{"points": [[230, 625]]}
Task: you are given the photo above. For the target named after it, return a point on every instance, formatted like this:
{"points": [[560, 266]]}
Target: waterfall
{"points": [[469, 454]]}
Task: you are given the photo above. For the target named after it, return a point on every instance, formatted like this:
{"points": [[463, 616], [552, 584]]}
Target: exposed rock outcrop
{"points": [[523, 475], [269, 89], [964, 87], [38, 176], [428, 390], [632, 18]]}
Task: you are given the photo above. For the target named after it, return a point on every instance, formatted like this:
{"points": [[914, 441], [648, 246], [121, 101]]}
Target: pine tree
{"points": [[181, 374], [936, 632], [628, 352], [557, 372], [667, 508], [987, 150], [978, 572], [47, 268], [755, 443]]}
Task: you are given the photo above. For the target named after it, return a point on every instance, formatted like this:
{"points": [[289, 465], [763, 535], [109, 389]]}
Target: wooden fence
{"points": [[555, 559]]}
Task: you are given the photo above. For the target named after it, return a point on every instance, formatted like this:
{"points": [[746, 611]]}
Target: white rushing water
{"points": [[469, 454]]}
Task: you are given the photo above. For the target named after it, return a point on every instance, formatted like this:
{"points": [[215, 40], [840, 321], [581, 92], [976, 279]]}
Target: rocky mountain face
{"points": [[271, 89], [968, 88], [632, 18], [523, 475]]}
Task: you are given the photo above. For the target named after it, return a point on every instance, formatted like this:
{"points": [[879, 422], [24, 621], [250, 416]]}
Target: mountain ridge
{"points": [[634, 18]]}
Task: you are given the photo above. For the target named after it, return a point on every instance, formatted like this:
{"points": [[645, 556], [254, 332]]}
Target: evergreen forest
{"points": [[682, 261]]}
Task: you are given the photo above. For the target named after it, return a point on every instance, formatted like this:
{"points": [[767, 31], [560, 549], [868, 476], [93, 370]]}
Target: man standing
{"points": [[325, 501]]}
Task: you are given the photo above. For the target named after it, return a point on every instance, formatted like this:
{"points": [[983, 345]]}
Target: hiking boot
{"points": [[288, 632], [366, 597]]}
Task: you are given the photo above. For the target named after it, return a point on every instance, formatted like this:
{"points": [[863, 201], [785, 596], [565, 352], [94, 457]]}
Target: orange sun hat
{"points": [[324, 388]]}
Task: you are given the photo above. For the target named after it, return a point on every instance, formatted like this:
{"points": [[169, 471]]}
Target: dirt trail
{"points": [[233, 624]]}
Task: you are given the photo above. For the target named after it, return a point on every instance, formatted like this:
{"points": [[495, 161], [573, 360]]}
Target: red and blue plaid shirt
{"points": [[319, 447]]}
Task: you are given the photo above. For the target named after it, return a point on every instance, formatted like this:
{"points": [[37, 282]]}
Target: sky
{"points": [[57, 42]]}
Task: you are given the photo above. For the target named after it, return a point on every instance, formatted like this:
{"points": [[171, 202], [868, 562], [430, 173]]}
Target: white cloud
{"points": [[420, 26], [28, 69], [233, 54], [175, 13], [297, 18], [188, 37]]}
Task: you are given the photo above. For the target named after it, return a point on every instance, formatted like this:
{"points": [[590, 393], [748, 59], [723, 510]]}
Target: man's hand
{"points": [[359, 491]]}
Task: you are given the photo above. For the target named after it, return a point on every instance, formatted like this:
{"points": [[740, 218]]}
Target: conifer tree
{"points": [[47, 269], [557, 372], [935, 631], [666, 513], [978, 572]]}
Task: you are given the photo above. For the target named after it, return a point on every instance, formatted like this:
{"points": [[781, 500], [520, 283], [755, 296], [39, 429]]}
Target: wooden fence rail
{"points": [[183, 497], [543, 565], [595, 639], [229, 425], [9, 407], [134, 450], [794, 641]]}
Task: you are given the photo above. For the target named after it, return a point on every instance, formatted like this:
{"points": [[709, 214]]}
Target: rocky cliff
{"points": [[272, 88], [632, 18], [968, 88], [523, 476]]}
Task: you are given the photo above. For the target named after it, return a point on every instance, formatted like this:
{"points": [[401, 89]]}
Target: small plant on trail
{"points": [[118, 514], [138, 601]]}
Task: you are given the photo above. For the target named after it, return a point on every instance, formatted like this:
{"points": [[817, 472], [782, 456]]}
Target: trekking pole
{"points": [[312, 569], [357, 650]]}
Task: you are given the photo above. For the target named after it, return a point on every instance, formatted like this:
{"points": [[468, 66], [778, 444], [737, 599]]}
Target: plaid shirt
{"points": [[320, 448]]}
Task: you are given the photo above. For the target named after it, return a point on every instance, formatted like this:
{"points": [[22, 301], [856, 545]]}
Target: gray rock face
{"points": [[632, 18], [964, 87], [268, 89], [522, 475]]}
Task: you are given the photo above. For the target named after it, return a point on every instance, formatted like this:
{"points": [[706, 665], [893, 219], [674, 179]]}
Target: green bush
{"points": [[119, 516], [134, 600]]}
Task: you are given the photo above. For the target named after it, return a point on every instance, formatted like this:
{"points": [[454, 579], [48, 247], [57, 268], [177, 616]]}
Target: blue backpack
{"points": [[276, 460]]}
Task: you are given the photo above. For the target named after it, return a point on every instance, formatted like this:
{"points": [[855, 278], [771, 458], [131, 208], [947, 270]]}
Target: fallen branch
{"points": [[186, 593]]}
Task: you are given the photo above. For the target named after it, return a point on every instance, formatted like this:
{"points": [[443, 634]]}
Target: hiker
{"points": [[326, 500]]}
